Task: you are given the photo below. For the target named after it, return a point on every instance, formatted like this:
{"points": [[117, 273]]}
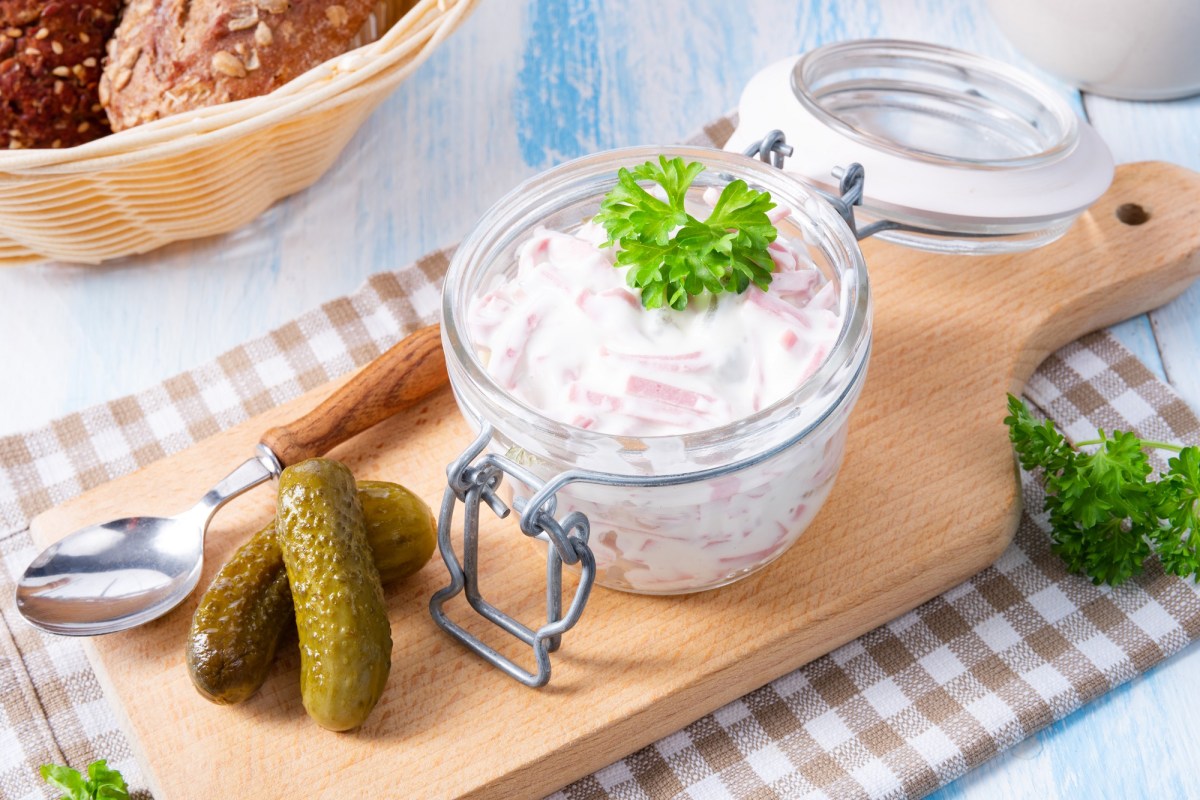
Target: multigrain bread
{"points": [[50, 55], [170, 56]]}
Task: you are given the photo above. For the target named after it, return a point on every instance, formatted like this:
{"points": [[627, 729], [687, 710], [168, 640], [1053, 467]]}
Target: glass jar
{"points": [[681, 513]]}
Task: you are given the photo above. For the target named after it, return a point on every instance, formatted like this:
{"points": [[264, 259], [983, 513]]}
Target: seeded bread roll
{"points": [[170, 56], [50, 54]]}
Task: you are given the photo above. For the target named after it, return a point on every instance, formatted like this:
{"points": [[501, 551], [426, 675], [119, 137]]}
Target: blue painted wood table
{"points": [[522, 86]]}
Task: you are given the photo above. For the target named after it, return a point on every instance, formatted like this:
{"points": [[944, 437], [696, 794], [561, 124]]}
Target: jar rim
{"points": [[578, 179], [926, 63]]}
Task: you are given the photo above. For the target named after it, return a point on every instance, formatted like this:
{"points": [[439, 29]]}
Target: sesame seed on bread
{"points": [[50, 65], [170, 56]]}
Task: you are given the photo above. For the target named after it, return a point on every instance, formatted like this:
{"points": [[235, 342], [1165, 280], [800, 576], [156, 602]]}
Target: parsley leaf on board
{"points": [[670, 254], [102, 783], [1106, 515]]}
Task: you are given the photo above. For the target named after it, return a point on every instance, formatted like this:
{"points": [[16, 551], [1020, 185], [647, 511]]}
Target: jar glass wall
{"points": [[725, 501]]}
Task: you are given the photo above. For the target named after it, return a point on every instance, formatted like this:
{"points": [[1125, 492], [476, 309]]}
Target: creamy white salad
{"points": [[567, 336], [571, 339]]}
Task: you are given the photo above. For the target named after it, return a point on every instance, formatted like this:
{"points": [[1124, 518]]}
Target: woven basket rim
{"points": [[326, 85]]}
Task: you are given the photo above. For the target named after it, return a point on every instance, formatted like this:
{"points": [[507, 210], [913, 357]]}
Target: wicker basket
{"points": [[211, 170]]}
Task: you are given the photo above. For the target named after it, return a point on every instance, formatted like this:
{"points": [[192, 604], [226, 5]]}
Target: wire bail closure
{"points": [[773, 149], [567, 542]]}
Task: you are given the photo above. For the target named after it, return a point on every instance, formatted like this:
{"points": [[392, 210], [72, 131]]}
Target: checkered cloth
{"points": [[897, 713]]}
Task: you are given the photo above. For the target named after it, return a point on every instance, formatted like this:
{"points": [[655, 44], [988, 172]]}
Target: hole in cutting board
{"points": [[1132, 214]]}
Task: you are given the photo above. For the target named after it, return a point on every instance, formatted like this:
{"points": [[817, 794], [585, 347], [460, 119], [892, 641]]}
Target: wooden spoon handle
{"points": [[410, 370]]}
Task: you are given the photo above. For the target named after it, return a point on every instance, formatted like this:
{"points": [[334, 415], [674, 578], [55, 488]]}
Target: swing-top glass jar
{"points": [[960, 154]]}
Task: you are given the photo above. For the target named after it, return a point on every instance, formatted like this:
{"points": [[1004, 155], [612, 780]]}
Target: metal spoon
{"points": [[120, 574]]}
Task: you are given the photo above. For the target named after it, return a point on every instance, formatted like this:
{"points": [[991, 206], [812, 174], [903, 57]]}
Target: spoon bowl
{"points": [[113, 576]]}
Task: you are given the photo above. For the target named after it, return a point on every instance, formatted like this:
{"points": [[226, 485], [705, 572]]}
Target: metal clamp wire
{"points": [[567, 541], [771, 149]]}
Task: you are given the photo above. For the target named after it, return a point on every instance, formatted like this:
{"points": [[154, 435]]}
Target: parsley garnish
{"points": [[1106, 515], [671, 255], [102, 783]]}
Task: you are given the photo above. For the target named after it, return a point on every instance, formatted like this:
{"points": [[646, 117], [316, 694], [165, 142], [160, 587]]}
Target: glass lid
{"points": [[961, 153]]}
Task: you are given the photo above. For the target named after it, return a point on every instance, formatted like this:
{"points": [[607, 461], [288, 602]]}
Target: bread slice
{"points": [[50, 54], [169, 56]]}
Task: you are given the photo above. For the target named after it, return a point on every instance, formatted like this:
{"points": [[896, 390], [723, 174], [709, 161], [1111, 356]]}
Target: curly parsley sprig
{"points": [[102, 782], [670, 254], [1106, 515]]}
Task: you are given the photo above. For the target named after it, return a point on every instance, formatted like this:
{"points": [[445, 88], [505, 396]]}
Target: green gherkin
{"points": [[239, 621], [400, 529], [345, 639], [248, 607]]}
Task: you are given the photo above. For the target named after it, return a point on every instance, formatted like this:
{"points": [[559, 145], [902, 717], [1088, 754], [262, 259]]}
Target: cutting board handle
{"points": [[410, 370], [1135, 249]]}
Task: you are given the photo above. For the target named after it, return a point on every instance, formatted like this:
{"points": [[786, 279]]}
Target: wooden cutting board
{"points": [[927, 498]]}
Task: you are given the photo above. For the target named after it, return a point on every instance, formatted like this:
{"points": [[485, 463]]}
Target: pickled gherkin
{"points": [[345, 639], [400, 529], [247, 609], [238, 623]]}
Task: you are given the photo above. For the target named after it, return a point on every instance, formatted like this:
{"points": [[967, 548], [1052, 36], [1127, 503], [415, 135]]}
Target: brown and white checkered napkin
{"points": [[897, 713]]}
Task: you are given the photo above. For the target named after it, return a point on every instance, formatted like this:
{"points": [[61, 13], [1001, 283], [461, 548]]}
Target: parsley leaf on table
{"points": [[1106, 515], [670, 254], [102, 783]]}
